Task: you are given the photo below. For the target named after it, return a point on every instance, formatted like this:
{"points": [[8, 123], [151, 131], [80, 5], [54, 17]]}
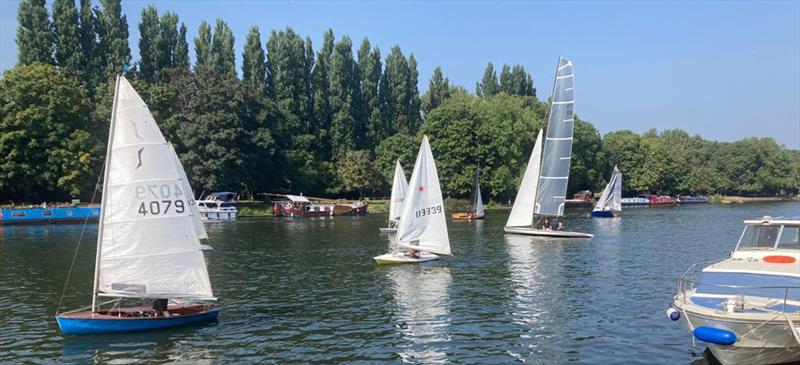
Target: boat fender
{"points": [[673, 314], [715, 335]]}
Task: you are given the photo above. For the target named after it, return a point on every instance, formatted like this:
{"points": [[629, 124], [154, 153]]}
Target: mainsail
{"points": [[522, 211], [399, 189], [611, 200], [149, 244], [422, 223], [199, 228], [554, 175]]}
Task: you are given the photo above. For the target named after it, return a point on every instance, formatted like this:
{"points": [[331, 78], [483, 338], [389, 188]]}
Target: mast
{"points": [[106, 169]]}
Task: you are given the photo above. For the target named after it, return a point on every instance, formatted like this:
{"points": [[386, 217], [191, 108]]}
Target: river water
{"points": [[308, 291]]}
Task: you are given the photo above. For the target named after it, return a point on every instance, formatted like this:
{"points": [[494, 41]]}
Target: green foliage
{"points": [[34, 39], [254, 68], [399, 146], [344, 97], [223, 60], [167, 44], [148, 49], [438, 91], [357, 172], [65, 35], [369, 70], [181, 56], [45, 150], [113, 33], [588, 164], [202, 45], [488, 86]]}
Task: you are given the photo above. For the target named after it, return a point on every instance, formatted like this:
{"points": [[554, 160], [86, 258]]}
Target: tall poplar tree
{"points": [[181, 56], [414, 118], [488, 86], [167, 43], [34, 38], [113, 38], [148, 47], [202, 45], [394, 92], [344, 97], [91, 68], [288, 80], [65, 34], [438, 91], [321, 105], [253, 63], [369, 67], [223, 58]]}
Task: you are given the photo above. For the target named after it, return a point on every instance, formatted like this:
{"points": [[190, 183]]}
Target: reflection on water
{"points": [[422, 311]]}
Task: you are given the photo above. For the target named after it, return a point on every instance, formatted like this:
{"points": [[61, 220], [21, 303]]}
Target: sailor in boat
{"points": [[160, 307]]}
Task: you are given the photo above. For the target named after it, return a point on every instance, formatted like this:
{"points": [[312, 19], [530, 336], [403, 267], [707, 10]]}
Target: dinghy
{"points": [[399, 188], [148, 244], [422, 230], [543, 190], [476, 210], [610, 203]]}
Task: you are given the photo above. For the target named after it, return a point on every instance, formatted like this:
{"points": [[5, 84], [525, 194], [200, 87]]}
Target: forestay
{"points": [[554, 176], [399, 189], [611, 200], [422, 223], [149, 247], [522, 211]]}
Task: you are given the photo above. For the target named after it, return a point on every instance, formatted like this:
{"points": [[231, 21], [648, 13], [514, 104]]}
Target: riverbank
{"points": [[723, 199]]}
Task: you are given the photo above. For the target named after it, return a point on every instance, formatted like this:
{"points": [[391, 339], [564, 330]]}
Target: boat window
{"points": [[18, 214], [758, 237], [789, 239], [316, 209], [47, 213], [327, 208]]}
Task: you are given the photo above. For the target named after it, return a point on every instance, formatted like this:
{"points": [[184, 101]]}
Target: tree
{"points": [[588, 165], [344, 98], [414, 117], [395, 93], [254, 71], [34, 38], [369, 70], [202, 45], [357, 173], [91, 68], [65, 34], [181, 56], [148, 48], [45, 151], [488, 86], [321, 105], [401, 147], [167, 44], [223, 59], [113, 34], [438, 91]]}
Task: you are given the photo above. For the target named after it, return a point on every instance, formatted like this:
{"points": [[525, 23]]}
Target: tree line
{"points": [[329, 120]]}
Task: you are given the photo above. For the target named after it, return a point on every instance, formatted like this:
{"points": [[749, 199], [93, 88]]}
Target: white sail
{"points": [[199, 228], [522, 211], [611, 200], [149, 246], [554, 175], [479, 211], [422, 223], [399, 189]]}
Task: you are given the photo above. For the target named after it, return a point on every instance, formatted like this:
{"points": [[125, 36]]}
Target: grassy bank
{"points": [[254, 208], [725, 199]]}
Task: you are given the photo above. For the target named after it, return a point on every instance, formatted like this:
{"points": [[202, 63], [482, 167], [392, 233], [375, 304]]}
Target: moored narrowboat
{"points": [[45, 214]]}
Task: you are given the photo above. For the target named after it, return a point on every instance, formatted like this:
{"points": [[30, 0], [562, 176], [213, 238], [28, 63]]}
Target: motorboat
{"points": [[747, 307], [220, 206]]}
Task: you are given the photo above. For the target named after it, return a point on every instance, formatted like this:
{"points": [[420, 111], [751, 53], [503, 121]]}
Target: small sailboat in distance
{"points": [[544, 184], [399, 189], [422, 230], [476, 210], [610, 203], [148, 244]]}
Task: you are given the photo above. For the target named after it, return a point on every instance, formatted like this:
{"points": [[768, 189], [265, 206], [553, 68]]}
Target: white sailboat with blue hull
{"points": [[148, 244], [543, 190], [610, 203]]}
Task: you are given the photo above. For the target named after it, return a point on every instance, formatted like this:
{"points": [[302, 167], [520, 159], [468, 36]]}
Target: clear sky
{"points": [[723, 70]]}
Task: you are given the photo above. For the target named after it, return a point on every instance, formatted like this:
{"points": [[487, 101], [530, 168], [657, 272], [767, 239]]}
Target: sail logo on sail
{"points": [[140, 158], [135, 130]]}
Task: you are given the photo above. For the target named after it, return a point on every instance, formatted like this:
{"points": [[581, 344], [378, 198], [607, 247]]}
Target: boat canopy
{"points": [[768, 233], [298, 198]]}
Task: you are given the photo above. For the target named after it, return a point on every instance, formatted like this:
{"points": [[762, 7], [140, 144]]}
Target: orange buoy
{"points": [[779, 259]]}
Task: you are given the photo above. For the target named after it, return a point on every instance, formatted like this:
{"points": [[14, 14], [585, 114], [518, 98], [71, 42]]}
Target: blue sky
{"points": [[723, 70]]}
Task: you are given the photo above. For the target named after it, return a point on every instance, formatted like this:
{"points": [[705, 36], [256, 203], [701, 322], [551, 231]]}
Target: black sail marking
{"points": [[140, 158], [136, 130]]}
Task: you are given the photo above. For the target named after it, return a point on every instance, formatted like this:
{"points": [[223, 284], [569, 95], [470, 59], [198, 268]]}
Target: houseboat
{"points": [[49, 214], [661, 200], [219, 206], [301, 206], [581, 198], [692, 199], [637, 201]]}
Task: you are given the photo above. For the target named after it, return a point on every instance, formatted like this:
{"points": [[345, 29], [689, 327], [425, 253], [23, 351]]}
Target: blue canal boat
{"points": [[49, 215]]}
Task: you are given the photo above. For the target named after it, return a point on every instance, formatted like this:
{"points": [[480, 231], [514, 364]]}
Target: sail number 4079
{"points": [[160, 199], [430, 211]]}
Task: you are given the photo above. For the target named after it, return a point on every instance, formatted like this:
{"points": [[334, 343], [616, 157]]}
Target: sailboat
{"points": [[610, 203], [148, 244], [422, 229], [399, 189], [543, 189], [476, 210]]}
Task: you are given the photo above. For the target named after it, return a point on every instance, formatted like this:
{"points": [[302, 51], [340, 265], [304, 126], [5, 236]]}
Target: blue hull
{"points": [[86, 326], [602, 214]]}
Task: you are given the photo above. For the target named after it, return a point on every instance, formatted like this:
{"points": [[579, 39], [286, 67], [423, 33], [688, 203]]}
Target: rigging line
{"points": [[80, 238]]}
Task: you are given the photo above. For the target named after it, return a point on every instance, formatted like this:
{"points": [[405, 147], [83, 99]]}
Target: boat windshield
{"points": [[766, 237]]}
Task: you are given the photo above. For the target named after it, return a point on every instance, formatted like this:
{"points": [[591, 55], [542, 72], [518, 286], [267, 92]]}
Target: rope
{"points": [[75, 255]]}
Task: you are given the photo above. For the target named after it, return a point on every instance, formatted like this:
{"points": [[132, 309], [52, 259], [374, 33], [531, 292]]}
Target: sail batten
{"points": [[556, 156], [422, 222], [149, 235]]}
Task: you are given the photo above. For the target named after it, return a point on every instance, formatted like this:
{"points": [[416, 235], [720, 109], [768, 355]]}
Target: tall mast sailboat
{"points": [[610, 203], [399, 191], [148, 244], [476, 209], [422, 230], [541, 195]]}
